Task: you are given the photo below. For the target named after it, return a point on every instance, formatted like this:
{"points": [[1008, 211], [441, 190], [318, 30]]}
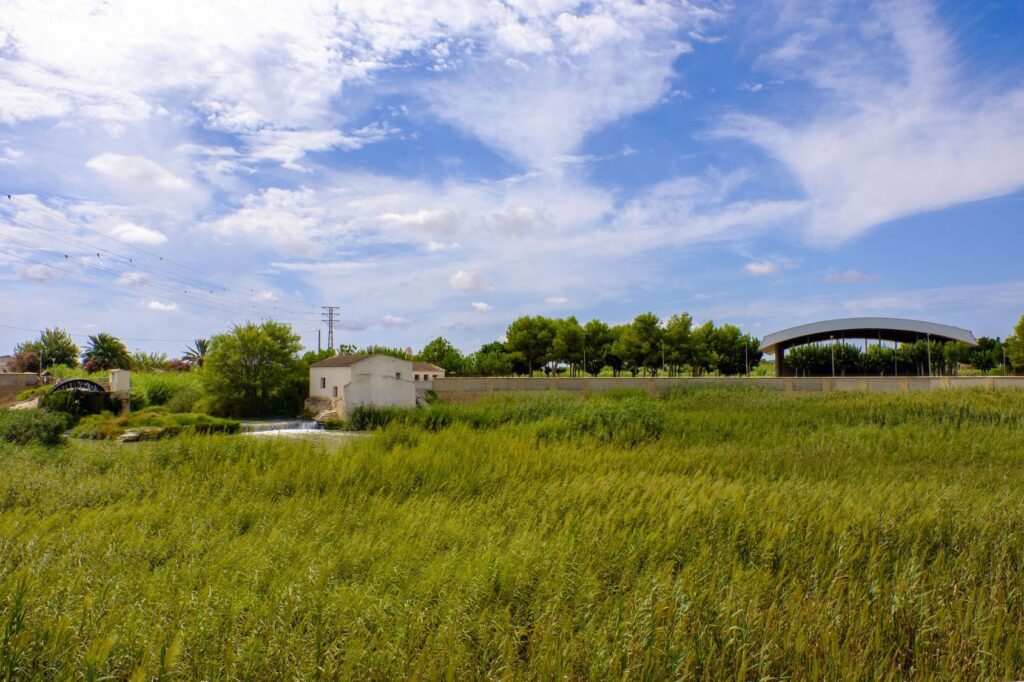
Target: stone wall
{"points": [[465, 389]]}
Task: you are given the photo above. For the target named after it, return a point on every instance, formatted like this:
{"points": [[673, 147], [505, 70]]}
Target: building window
{"points": [[335, 392], [398, 376], [323, 382], [416, 378]]}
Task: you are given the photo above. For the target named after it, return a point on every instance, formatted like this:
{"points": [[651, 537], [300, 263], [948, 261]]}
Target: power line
{"points": [[210, 277], [218, 308], [153, 270], [221, 307], [123, 338]]}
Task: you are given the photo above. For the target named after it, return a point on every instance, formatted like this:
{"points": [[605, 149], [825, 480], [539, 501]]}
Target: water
{"points": [[283, 426]]}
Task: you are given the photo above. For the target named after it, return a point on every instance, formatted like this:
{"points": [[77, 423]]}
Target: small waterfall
{"points": [[284, 425]]}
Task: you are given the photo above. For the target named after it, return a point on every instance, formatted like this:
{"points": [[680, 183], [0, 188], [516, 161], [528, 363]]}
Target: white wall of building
{"points": [[328, 382]]}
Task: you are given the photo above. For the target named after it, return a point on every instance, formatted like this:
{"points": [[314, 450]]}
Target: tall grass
{"points": [[756, 536]]}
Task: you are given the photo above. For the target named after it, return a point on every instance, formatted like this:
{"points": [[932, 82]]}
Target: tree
{"points": [[703, 357], [443, 354], [255, 371], [147, 362], [54, 347], [491, 360], [399, 353], [597, 344], [677, 336], [1015, 347], [567, 346], [986, 356], [197, 352], [531, 339], [639, 344], [613, 356], [106, 351]]}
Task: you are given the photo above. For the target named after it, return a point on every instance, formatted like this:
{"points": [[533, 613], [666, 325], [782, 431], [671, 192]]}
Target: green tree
{"points": [[986, 356], [613, 356], [639, 344], [106, 351], [1015, 347], [399, 353], [197, 352], [531, 338], [703, 357], [597, 344], [255, 371], [877, 360], [443, 354], [567, 345], [492, 360], [677, 336], [54, 347]]}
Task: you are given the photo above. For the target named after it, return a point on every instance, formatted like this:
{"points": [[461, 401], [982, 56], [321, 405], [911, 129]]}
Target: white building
{"points": [[426, 371], [344, 382]]}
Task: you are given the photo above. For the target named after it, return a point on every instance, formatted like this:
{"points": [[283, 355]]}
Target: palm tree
{"points": [[106, 351], [196, 353]]}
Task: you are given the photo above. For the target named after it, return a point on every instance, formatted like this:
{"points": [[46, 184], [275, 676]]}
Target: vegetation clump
{"points": [[757, 535], [158, 421], [28, 427]]}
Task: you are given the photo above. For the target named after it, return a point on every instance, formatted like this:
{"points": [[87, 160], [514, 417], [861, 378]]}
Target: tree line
{"points": [[921, 357], [648, 345]]}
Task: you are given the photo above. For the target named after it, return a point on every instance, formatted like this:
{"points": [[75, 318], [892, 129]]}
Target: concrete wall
{"points": [[459, 389], [335, 377], [380, 390], [13, 383]]}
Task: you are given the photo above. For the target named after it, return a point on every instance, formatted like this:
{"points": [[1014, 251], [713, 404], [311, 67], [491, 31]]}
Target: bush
{"points": [[77, 404], [24, 427], [628, 422], [107, 426], [368, 417]]}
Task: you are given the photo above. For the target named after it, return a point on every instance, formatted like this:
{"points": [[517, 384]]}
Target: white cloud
{"points": [[288, 146], [11, 155], [556, 300], [482, 307], [137, 234], [136, 169], [133, 279], [395, 321], [900, 132], [162, 307], [37, 273], [759, 268], [435, 220], [849, 276], [467, 281]]}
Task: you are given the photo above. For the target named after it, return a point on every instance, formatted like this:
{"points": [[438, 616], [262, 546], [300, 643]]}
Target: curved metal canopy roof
{"points": [[888, 328]]}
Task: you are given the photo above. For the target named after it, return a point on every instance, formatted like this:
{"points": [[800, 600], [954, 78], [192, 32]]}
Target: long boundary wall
{"points": [[466, 389]]}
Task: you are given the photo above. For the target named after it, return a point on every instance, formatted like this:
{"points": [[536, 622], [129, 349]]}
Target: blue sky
{"points": [[441, 167]]}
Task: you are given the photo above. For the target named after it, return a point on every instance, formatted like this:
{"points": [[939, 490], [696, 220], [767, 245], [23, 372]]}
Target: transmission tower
{"points": [[330, 317]]}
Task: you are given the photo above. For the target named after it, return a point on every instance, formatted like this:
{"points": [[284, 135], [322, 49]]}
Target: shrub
{"points": [[106, 426], [368, 417], [77, 404], [24, 427]]}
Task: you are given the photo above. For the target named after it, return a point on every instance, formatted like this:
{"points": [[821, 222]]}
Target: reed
{"points": [[751, 535]]}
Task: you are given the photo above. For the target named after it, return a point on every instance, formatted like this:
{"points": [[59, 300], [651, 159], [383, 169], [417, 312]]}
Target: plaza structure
{"points": [[869, 330]]}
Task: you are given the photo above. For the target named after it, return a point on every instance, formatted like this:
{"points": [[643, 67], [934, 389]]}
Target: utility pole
{"points": [[330, 313]]}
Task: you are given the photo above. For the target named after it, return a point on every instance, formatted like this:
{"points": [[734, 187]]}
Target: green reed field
{"points": [[712, 535]]}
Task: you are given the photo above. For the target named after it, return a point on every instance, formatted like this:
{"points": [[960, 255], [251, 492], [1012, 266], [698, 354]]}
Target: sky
{"points": [[440, 167]]}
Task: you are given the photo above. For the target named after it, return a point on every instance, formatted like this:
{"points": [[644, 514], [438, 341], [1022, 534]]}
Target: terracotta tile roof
{"points": [[340, 361], [426, 367]]}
